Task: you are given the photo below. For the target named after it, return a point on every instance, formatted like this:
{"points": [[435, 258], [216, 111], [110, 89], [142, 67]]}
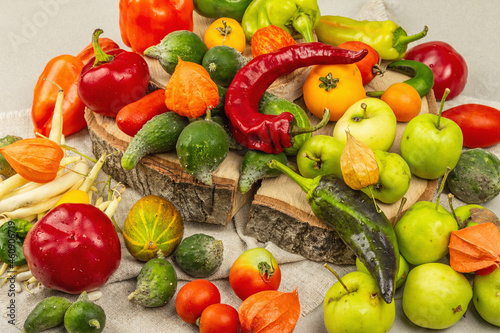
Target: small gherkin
{"points": [[199, 255], [201, 148]]}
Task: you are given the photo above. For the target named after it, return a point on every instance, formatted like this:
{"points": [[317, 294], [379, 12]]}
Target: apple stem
{"points": [[441, 106], [400, 210], [441, 186], [364, 106], [461, 224], [338, 277], [374, 201]]}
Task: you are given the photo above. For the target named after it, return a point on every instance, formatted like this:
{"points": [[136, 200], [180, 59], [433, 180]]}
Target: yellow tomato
{"points": [[335, 87], [225, 31], [74, 196]]}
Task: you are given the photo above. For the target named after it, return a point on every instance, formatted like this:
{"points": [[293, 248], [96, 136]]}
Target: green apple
{"points": [[435, 296], [424, 231], [403, 269], [320, 155], [361, 309], [394, 178], [472, 214], [369, 120], [487, 296], [431, 143]]}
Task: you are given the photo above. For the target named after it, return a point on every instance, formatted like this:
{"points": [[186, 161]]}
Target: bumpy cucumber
{"points": [[46, 314], [156, 284], [476, 177], [201, 148], [199, 255], [222, 62], [180, 43], [158, 135], [84, 316], [272, 105], [254, 167]]}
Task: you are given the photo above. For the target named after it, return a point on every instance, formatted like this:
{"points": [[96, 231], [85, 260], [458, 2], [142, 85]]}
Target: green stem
{"points": [[302, 22], [100, 56], [441, 186], [441, 106], [306, 184], [296, 130], [94, 323], [402, 40], [338, 278]]}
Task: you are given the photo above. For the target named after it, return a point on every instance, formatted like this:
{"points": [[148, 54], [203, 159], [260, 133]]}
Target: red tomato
{"points": [[449, 67], [369, 65], [219, 318], [255, 270], [74, 248], [194, 297], [270, 38], [480, 124]]}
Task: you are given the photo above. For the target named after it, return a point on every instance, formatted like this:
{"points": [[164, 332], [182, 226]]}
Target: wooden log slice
{"points": [[161, 174], [281, 214]]}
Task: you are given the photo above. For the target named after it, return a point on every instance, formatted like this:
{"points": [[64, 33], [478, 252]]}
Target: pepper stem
{"points": [[296, 130], [306, 184], [100, 56], [441, 107], [402, 40], [302, 22]]}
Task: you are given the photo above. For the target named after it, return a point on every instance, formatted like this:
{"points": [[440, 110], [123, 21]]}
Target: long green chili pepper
{"points": [[422, 78], [352, 214]]}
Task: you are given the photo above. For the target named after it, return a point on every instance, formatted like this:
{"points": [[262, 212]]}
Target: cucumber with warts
{"points": [[84, 316], [48, 313], [156, 283]]}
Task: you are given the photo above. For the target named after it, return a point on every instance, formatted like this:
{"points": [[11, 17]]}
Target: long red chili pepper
{"points": [[271, 133]]}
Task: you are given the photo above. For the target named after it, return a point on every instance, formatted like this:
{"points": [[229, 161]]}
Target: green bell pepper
{"points": [[12, 234], [297, 17], [221, 8]]}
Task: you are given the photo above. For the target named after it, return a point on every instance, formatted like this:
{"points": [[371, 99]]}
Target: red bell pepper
{"points": [[112, 80], [74, 248], [271, 133], [449, 67], [144, 23], [63, 70]]}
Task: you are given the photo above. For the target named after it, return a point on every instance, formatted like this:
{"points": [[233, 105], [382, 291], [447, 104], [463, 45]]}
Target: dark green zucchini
{"points": [[222, 62], [353, 215]]}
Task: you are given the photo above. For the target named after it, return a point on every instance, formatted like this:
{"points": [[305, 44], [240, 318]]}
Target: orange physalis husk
{"points": [[190, 90], [270, 311], [35, 159], [475, 248], [358, 164]]}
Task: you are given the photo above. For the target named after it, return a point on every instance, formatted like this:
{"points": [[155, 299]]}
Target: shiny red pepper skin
{"points": [[118, 78], [449, 67], [270, 133], [73, 248]]}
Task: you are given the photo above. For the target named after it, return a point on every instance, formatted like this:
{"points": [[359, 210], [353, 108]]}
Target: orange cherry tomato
{"points": [[225, 31], [335, 87], [404, 101], [270, 38]]}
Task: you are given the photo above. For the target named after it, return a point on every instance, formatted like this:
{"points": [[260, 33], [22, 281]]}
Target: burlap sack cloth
{"points": [[311, 278]]}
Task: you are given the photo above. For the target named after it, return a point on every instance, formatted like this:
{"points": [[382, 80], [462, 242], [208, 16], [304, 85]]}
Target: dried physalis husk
{"points": [[358, 164]]}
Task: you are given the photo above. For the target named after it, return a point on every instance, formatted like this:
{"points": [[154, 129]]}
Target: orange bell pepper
{"points": [[63, 70], [144, 23]]}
